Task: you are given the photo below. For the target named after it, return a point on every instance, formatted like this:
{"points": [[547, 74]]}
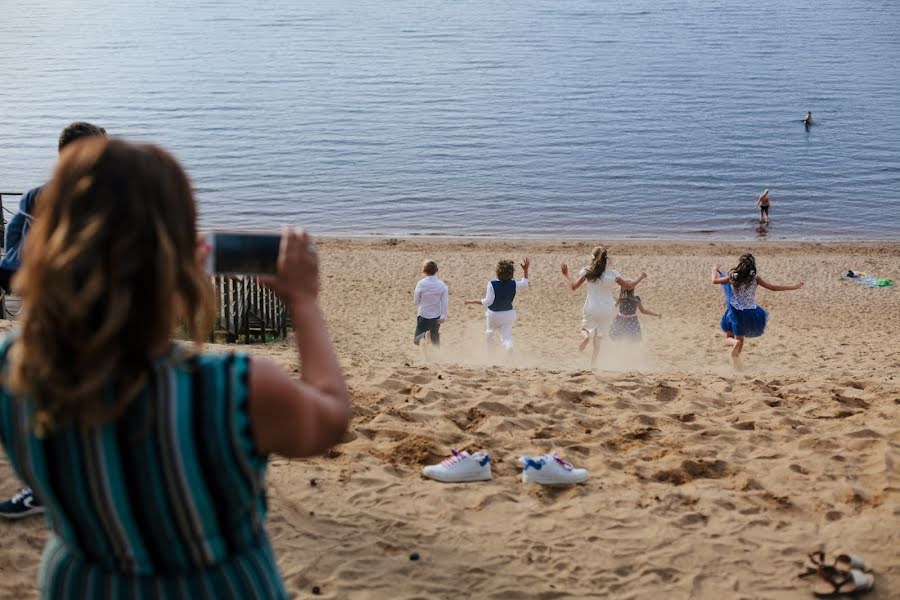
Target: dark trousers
{"points": [[5, 276], [424, 325]]}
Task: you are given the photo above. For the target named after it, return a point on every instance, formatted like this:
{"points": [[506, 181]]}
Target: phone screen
{"points": [[245, 253]]}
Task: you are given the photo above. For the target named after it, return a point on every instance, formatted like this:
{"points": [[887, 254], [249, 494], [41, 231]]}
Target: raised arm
{"points": [[573, 284], [630, 285], [306, 417], [717, 278], [778, 288]]}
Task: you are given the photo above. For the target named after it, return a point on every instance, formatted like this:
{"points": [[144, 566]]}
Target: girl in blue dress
{"points": [[743, 317]]}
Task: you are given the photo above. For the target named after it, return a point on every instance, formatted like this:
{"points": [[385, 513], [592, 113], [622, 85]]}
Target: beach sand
{"points": [[703, 483]]}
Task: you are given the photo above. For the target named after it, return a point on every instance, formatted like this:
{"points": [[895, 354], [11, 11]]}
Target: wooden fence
{"points": [[247, 311]]}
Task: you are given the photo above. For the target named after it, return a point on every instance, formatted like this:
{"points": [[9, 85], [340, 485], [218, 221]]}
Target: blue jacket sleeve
{"points": [[15, 230]]}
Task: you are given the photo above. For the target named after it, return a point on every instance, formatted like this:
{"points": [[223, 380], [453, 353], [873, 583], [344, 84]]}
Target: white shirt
{"points": [[432, 297], [489, 293], [600, 293]]}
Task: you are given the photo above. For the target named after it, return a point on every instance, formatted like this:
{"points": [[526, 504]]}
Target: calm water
{"points": [[639, 118]]}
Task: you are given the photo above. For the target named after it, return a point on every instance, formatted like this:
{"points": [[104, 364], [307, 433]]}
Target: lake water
{"points": [[577, 118]]}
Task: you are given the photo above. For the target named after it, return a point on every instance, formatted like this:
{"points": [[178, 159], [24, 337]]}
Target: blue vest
{"points": [[504, 292]]}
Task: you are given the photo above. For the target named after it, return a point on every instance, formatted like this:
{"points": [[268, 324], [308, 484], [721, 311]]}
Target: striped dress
{"points": [[167, 501]]}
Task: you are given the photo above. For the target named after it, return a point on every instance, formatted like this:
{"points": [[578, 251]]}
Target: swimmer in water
{"points": [[807, 120], [763, 202]]}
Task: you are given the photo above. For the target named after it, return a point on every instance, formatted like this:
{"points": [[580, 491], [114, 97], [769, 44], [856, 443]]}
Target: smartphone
{"points": [[243, 253]]}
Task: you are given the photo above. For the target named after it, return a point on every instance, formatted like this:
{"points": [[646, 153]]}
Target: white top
{"points": [[432, 297], [744, 297], [600, 292], [489, 293]]}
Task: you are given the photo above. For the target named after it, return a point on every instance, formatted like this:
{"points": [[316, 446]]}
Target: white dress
{"points": [[599, 306]]}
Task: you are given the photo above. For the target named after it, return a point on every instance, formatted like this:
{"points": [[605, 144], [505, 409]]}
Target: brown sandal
{"points": [[847, 583], [848, 575]]}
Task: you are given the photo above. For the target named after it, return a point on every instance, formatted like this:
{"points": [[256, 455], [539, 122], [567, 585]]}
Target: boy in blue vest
{"points": [[498, 299]]}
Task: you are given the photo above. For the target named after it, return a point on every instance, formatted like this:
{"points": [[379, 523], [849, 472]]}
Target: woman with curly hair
{"points": [[599, 306], [743, 317], [149, 455], [498, 301]]}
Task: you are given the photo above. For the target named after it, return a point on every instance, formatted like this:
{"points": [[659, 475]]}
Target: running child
{"points": [[431, 296], [498, 300], [599, 306], [744, 318], [626, 325]]}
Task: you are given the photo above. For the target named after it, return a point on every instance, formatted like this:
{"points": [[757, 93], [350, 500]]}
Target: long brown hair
{"points": [[108, 269], [598, 265]]}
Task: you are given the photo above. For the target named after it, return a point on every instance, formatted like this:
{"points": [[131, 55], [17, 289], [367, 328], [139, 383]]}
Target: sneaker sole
{"points": [[22, 515], [527, 479], [466, 479]]}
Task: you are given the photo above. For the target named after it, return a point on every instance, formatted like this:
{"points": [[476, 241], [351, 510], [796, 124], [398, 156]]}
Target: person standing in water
{"points": [[807, 120], [764, 201]]}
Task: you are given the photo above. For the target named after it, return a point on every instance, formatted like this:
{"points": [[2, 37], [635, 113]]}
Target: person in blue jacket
{"points": [[17, 228], [24, 503]]}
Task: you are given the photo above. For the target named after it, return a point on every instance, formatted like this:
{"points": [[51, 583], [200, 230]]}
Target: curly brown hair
{"points": [[109, 268], [506, 270]]}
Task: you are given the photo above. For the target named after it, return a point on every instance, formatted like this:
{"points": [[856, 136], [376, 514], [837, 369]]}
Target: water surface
{"points": [[660, 118]]}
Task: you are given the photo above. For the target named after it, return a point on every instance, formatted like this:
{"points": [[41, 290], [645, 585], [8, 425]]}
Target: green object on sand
{"points": [[866, 280]]}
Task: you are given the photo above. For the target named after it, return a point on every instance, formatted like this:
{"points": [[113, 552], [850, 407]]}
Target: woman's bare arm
{"points": [[305, 417]]}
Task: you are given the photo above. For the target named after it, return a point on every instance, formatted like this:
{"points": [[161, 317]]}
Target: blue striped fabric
{"points": [[166, 502]]}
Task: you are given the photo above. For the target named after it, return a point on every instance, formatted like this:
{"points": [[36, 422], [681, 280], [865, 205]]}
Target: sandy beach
{"points": [[704, 483]]}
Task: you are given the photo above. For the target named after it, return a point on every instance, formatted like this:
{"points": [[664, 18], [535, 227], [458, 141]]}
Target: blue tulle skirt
{"points": [[747, 323]]}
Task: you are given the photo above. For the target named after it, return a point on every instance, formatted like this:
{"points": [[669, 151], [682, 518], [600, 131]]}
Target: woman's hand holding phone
{"points": [[298, 268]]}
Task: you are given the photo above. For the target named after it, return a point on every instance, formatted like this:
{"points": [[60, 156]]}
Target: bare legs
{"points": [[737, 345], [585, 339], [426, 343], [595, 352]]}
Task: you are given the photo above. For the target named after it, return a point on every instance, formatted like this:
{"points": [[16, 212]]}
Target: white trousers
{"points": [[499, 323]]}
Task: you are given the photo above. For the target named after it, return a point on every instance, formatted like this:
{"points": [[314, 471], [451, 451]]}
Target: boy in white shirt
{"points": [[433, 298]]}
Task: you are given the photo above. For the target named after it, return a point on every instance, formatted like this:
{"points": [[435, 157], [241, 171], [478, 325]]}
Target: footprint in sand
{"points": [[691, 470]]}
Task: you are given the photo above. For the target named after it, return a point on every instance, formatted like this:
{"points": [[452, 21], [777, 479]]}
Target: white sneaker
{"points": [[550, 469], [461, 467]]}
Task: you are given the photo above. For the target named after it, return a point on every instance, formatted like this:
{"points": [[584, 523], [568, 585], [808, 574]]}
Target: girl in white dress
{"points": [[599, 306]]}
